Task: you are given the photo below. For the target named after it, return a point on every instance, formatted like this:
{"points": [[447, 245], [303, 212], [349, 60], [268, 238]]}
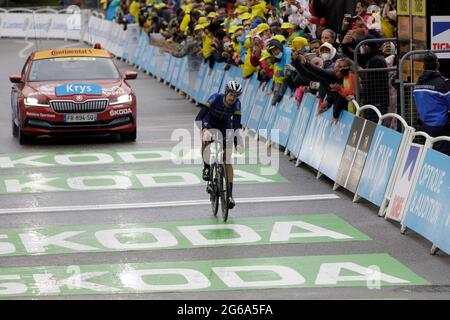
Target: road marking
{"points": [[371, 271], [181, 234], [166, 204]]}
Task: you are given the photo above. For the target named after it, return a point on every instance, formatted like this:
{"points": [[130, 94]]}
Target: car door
{"points": [[16, 90]]}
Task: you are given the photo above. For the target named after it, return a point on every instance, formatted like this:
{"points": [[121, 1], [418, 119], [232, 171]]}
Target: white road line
{"points": [[166, 204]]}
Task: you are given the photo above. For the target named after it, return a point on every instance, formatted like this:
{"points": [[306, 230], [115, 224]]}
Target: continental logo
{"points": [[71, 52], [64, 52]]}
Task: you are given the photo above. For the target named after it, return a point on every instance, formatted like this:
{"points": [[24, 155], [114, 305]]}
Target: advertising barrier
{"points": [[286, 114], [262, 98], [404, 182], [379, 164], [335, 145], [248, 99], [305, 113], [313, 146], [44, 25], [428, 209], [355, 154], [196, 91]]}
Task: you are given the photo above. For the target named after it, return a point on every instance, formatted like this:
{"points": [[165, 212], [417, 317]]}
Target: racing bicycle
{"points": [[217, 186]]}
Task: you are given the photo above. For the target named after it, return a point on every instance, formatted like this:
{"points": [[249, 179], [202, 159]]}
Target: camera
{"points": [[349, 18]]}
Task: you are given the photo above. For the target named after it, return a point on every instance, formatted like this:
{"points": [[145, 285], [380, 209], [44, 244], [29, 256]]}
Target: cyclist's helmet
{"points": [[233, 87]]}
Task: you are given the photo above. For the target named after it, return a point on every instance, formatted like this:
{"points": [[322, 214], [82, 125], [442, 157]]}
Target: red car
{"points": [[72, 91]]}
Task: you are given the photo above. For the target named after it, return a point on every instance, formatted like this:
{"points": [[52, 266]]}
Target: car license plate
{"points": [[80, 117]]}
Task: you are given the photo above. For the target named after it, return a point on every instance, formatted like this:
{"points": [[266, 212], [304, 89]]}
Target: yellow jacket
{"points": [[260, 10], [207, 42], [277, 80], [134, 10], [247, 67], [186, 19]]}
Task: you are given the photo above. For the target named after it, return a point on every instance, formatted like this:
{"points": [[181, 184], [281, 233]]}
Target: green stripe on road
{"points": [[178, 235], [135, 179], [372, 271]]}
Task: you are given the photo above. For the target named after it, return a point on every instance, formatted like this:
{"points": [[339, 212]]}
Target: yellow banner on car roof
{"points": [[71, 52]]}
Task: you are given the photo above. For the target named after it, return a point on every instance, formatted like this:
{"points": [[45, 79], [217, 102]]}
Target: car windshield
{"points": [[73, 68]]}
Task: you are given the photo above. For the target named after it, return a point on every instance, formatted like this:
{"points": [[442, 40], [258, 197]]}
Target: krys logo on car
{"points": [[75, 88]]}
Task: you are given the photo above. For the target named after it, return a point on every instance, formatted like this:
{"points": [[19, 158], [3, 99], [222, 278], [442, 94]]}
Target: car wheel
{"points": [[23, 138], [129, 136], [15, 129]]}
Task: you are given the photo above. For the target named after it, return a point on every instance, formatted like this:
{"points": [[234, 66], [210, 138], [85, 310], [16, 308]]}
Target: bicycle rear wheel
{"points": [[214, 189], [223, 189]]}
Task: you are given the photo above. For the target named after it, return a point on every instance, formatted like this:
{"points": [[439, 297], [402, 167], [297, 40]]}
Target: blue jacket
{"points": [[432, 96]]}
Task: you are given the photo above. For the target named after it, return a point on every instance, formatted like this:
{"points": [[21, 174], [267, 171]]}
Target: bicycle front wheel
{"points": [[213, 185], [223, 188]]}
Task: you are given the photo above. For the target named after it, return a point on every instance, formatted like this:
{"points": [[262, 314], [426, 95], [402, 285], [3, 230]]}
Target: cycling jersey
{"points": [[214, 115]]}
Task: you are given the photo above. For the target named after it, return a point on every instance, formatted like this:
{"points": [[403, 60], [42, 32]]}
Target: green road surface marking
{"points": [[133, 179], [110, 157], [178, 235], [373, 271]]}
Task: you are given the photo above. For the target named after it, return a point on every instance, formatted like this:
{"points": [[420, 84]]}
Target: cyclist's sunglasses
{"points": [[233, 94]]}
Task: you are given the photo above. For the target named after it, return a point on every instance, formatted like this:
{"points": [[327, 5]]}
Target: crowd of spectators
{"points": [[286, 42]]}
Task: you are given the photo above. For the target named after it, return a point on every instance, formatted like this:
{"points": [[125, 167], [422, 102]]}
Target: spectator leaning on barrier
{"points": [[329, 79], [432, 97], [347, 89], [282, 57]]}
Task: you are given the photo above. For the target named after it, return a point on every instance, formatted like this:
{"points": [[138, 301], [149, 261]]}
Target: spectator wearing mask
{"points": [[265, 69], [328, 53], [282, 57], [347, 89], [432, 97]]}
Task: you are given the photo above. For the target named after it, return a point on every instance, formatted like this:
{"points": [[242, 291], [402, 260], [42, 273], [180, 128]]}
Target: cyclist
{"points": [[222, 112]]}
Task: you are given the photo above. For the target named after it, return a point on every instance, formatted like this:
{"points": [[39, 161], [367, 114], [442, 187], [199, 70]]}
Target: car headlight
{"points": [[123, 99], [33, 102]]}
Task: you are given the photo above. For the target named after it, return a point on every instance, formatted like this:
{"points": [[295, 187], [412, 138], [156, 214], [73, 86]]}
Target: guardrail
{"points": [[43, 23]]}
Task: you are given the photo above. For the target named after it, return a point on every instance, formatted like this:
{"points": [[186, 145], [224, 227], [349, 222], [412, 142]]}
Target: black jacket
{"points": [[325, 77]]}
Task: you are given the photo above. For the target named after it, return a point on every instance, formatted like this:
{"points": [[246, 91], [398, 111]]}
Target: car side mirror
{"points": [[130, 75], [15, 78]]}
